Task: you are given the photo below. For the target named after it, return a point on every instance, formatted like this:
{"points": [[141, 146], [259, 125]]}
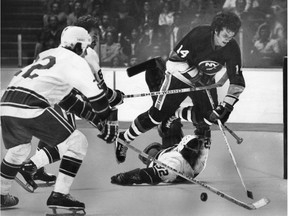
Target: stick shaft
{"points": [[232, 156], [238, 139], [249, 193]]}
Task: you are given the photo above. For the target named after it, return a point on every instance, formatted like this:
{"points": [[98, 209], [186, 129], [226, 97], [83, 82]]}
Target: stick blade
{"points": [[250, 194], [149, 64], [261, 203]]}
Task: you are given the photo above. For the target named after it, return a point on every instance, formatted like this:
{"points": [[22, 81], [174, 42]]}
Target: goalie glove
{"points": [[109, 130], [223, 111]]}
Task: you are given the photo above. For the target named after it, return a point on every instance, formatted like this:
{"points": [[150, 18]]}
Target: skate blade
{"points": [[62, 211], [25, 186], [45, 184]]}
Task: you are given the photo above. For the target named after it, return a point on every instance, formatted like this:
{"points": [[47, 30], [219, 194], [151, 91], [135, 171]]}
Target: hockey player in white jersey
{"points": [[189, 157], [27, 111], [115, 98]]}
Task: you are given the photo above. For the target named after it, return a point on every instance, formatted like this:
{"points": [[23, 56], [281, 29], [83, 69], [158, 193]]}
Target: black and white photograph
{"points": [[143, 108]]}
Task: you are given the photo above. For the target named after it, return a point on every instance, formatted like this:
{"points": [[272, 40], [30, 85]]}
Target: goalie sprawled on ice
{"points": [[188, 157]]}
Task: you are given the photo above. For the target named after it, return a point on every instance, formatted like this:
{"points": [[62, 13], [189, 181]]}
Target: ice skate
{"points": [[66, 204], [8, 201], [27, 172], [43, 178], [120, 149]]}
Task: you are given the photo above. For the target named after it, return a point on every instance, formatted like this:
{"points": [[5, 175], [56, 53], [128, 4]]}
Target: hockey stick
{"points": [[250, 206], [177, 91], [238, 139], [249, 193]]}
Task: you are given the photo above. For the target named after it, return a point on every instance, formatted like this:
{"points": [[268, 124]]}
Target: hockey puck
{"points": [[204, 197]]}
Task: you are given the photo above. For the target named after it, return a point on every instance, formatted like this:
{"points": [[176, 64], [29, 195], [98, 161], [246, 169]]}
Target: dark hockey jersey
{"points": [[198, 45]]}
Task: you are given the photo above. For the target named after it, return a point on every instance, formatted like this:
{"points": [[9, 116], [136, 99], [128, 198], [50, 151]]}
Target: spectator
{"points": [[126, 23], [188, 9], [109, 50], [266, 50], [116, 61], [130, 44], [145, 13], [105, 26], [124, 8], [166, 16], [146, 37], [133, 61], [160, 43], [77, 12], [237, 6], [55, 10], [178, 30], [50, 36], [68, 6], [96, 10]]}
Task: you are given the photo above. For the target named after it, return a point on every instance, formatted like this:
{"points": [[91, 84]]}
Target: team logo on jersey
{"points": [[209, 67]]}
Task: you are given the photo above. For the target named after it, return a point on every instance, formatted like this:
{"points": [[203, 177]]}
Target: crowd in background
{"points": [[132, 31]]}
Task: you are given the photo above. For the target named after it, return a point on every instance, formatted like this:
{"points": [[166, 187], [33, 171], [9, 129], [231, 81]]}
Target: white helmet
{"points": [[72, 35]]}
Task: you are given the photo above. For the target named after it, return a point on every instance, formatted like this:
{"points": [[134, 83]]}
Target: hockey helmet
{"points": [[72, 35]]}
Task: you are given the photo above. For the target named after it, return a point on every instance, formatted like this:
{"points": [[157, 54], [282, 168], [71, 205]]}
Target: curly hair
{"points": [[87, 22], [227, 20]]}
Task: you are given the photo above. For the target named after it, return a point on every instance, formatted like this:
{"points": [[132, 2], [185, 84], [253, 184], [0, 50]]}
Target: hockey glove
{"points": [[109, 130], [222, 111], [115, 97]]}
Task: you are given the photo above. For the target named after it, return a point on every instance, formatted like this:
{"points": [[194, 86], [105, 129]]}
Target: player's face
{"points": [[223, 37]]}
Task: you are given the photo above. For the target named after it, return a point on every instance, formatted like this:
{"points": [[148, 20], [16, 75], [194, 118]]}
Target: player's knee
{"points": [[18, 154], [156, 115], [148, 120], [75, 145]]}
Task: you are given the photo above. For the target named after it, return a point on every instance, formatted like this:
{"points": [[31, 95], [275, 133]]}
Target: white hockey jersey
{"points": [[173, 158], [46, 82], [92, 59]]}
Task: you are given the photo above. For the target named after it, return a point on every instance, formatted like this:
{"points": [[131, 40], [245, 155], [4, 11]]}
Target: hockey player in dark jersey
{"points": [[213, 42]]}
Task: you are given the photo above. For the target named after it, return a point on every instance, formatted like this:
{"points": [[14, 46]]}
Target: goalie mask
{"points": [[73, 35], [190, 145]]}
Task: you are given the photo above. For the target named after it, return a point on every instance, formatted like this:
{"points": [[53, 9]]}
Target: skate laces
{"points": [[68, 196]]}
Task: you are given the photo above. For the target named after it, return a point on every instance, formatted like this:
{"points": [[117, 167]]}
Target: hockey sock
{"points": [[141, 124], [68, 170], [186, 113], [40, 159], [7, 175], [51, 152]]}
